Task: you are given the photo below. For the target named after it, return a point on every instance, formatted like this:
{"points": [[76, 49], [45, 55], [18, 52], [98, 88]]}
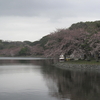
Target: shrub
{"points": [[23, 51]]}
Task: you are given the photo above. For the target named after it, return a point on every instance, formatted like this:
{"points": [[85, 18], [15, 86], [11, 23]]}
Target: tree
{"points": [[24, 51]]}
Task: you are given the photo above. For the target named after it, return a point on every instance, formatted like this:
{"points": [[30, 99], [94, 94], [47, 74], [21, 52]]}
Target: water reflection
{"points": [[23, 80], [11, 66], [72, 85], [39, 80]]}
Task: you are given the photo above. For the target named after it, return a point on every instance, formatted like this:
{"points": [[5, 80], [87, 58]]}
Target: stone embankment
{"points": [[78, 67]]}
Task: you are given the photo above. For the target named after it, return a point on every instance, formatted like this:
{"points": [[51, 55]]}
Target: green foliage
{"points": [[1, 46], [28, 42], [1, 41], [10, 44], [79, 36], [91, 27], [34, 43], [23, 51], [78, 25], [98, 24], [43, 41], [86, 47]]}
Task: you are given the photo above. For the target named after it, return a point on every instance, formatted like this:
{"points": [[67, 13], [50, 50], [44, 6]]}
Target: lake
{"points": [[36, 79]]}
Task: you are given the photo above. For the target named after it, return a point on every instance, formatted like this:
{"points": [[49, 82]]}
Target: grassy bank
{"points": [[82, 62]]}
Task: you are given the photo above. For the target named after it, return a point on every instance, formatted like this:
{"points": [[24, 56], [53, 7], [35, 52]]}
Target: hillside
{"points": [[79, 39]]}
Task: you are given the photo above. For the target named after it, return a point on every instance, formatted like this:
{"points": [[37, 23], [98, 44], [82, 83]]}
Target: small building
{"points": [[68, 58], [61, 57]]}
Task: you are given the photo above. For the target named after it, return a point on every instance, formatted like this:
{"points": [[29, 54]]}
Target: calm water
{"points": [[37, 79]]}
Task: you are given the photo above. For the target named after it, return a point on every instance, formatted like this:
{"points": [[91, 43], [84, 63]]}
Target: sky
{"points": [[30, 20]]}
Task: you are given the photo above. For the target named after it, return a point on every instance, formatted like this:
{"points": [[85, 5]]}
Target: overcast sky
{"points": [[22, 20]]}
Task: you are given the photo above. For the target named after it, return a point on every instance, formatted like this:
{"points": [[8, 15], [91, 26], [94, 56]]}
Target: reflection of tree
{"points": [[32, 62], [17, 66], [72, 84]]}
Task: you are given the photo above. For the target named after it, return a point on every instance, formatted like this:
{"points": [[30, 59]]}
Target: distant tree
{"points": [[44, 40], [37, 50], [24, 51], [35, 43], [1, 46], [27, 42]]}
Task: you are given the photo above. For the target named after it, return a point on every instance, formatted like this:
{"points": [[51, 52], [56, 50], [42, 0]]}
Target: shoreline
{"points": [[78, 66]]}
